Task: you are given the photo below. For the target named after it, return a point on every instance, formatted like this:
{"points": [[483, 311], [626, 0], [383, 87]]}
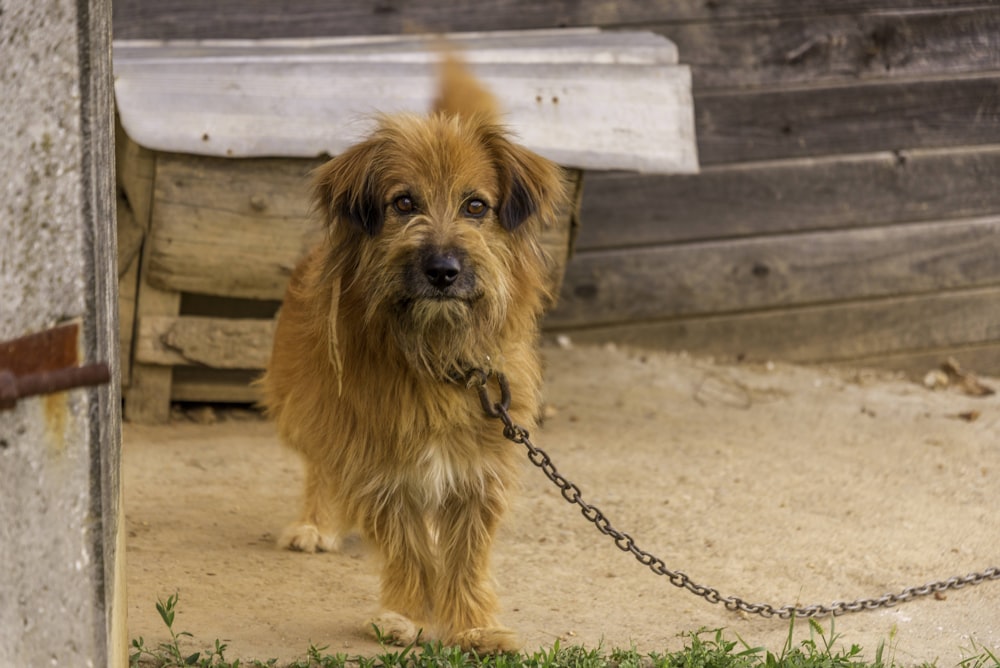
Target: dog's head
{"points": [[423, 154], [434, 225]]}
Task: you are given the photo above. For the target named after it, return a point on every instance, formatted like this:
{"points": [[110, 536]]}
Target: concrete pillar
{"points": [[61, 550]]}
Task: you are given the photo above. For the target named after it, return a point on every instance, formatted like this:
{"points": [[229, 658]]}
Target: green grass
{"points": [[702, 649]]}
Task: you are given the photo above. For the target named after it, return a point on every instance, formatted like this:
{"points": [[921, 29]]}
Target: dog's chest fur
{"points": [[443, 469]]}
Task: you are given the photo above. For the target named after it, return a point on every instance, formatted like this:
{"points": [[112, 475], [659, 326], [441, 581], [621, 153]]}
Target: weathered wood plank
{"points": [[147, 400], [765, 125], [982, 360], [575, 45], [844, 47], [215, 385], [220, 343], [873, 333], [885, 332], [879, 332], [128, 288], [135, 168], [770, 272], [865, 331], [229, 228], [255, 19], [237, 228], [147, 397], [303, 106], [622, 209]]}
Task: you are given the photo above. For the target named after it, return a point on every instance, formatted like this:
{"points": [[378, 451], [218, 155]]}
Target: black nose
{"points": [[442, 270]]}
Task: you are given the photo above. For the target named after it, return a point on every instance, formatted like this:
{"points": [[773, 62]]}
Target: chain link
{"points": [[478, 380]]}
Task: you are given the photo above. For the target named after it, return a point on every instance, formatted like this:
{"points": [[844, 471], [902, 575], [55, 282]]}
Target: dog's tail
{"points": [[461, 94]]}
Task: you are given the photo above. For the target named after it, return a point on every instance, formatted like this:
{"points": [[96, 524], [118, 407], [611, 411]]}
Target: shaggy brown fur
{"points": [[431, 265]]}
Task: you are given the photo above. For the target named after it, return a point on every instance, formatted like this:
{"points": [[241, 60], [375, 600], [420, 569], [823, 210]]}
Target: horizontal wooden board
{"points": [[770, 272], [842, 47], [214, 386], [220, 343], [742, 126], [601, 112], [232, 386], [621, 209], [861, 330], [913, 334], [982, 360], [236, 228], [219, 228], [881, 332], [255, 19], [576, 45]]}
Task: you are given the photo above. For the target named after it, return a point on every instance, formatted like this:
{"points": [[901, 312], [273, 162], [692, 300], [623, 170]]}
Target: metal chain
{"points": [[477, 379]]}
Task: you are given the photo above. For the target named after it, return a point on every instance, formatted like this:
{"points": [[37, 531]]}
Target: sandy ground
{"points": [[775, 483]]}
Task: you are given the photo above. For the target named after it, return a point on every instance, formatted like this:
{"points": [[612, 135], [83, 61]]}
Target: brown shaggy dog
{"points": [[431, 266]]}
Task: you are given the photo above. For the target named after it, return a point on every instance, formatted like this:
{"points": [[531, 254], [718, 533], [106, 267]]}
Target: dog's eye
{"points": [[404, 204], [475, 208]]}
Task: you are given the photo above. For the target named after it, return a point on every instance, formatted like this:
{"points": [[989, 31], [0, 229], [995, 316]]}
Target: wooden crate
{"points": [[223, 237]]}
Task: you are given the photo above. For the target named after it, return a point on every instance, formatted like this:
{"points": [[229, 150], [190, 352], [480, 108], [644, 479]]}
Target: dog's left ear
{"points": [[529, 184], [345, 188]]}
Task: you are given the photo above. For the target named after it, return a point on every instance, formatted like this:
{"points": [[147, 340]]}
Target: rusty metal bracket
{"points": [[44, 363]]}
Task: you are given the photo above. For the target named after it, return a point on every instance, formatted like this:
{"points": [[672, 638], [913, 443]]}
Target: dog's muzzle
{"points": [[440, 274]]}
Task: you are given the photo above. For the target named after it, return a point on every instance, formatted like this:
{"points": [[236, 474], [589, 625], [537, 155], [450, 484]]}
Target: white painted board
{"points": [[585, 99], [575, 45]]}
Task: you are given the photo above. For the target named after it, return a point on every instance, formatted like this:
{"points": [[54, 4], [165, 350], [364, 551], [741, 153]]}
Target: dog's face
{"points": [[434, 228]]}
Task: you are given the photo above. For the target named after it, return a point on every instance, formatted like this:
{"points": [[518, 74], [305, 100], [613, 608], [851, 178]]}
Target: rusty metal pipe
{"points": [[14, 387]]}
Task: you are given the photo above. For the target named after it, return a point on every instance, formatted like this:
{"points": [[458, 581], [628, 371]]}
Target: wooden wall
{"points": [[848, 208]]}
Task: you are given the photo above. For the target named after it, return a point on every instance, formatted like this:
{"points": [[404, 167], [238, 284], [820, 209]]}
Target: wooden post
{"points": [[62, 589]]}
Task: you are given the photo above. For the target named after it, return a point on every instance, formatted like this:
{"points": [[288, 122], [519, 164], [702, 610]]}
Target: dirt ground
{"points": [[775, 483]]}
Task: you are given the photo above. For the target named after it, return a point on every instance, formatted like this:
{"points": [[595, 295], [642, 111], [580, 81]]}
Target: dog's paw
{"points": [[306, 537], [488, 640], [394, 628]]}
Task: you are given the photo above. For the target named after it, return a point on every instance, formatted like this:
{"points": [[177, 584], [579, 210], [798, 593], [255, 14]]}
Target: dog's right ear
{"points": [[345, 188], [530, 185]]}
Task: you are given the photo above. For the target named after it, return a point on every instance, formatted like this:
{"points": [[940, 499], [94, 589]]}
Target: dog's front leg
{"points": [[465, 602], [316, 529], [398, 529]]}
